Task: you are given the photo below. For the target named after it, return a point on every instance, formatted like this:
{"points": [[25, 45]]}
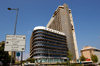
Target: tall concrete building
{"points": [[62, 21]]}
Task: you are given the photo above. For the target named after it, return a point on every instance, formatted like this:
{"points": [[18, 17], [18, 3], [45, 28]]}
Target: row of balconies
{"points": [[50, 36], [43, 49], [48, 49], [50, 52], [49, 45], [50, 55], [49, 33], [48, 40]]}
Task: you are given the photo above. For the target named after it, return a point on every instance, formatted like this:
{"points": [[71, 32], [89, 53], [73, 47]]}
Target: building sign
{"points": [[15, 43], [44, 28], [55, 31]]}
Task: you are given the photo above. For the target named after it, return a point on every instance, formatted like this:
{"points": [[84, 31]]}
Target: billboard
{"points": [[15, 43]]}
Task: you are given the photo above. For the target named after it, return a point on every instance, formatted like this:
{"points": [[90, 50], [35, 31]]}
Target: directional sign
{"points": [[15, 43]]}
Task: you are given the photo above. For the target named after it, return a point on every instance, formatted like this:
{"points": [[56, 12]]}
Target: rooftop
{"points": [[48, 29], [89, 47]]}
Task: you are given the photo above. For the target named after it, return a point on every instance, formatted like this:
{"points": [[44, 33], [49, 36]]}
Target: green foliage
{"points": [[23, 61], [82, 58], [66, 64], [63, 63], [74, 64], [57, 63], [69, 55], [4, 56], [94, 58], [31, 60]]}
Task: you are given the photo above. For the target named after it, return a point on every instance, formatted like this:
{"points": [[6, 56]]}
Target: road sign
{"points": [[18, 54], [15, 43]]}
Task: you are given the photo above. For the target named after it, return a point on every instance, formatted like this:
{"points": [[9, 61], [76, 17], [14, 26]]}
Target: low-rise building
{"points": [[88, 51]]}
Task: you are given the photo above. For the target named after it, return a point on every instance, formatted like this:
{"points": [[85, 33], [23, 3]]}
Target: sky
{"points": [[86, 17]]}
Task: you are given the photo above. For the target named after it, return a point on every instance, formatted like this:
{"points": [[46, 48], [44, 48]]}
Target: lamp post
{"points": [[17, 9]]}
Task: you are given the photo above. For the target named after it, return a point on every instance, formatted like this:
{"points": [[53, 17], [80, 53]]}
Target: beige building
{"points": [[88, 51], [62, 21]]}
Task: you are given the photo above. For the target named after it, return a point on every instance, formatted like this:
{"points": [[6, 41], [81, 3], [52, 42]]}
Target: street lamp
{"points": [[17, 9], [9, 8]]}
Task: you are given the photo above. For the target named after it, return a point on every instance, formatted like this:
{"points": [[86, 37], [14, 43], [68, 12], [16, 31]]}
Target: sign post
{"points": [[18, 54], [15, 43]]}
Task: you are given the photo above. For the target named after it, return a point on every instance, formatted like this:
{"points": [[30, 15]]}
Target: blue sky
{"points": [[86, 17]]}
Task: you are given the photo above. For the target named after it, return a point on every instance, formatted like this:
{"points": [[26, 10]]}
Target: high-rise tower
{"points": [[62, 21]]}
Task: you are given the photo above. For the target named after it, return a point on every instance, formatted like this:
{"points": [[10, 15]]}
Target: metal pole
{"points": [[18, 61], [11, 59], [15, 31], [16, 20], [13, 53], [21, 57]]}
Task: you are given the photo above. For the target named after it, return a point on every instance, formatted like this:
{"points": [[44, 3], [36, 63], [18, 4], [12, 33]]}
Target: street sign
{"points": [[15, 43], [18, 54]]}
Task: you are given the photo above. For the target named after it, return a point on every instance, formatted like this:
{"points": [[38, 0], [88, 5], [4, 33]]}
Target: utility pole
{"points": [[13, 52]]}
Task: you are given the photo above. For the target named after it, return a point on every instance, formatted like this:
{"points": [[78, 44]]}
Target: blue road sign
{"points": [[18, 54]]}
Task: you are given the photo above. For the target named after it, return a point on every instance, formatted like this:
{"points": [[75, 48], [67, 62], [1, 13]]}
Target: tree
{"points": [[82, 58], [69, 56], [31, 60], [94, 58], [4, 56]]}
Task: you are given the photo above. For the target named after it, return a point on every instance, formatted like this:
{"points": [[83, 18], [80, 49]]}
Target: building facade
{"points": [[62, 21], [48, 45], [88, 51]]}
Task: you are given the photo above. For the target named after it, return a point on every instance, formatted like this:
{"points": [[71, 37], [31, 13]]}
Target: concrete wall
{"points": [[87, 54]]}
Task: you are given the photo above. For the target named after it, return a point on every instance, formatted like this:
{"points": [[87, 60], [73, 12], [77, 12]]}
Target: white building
{"points": [[88, 51]]}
